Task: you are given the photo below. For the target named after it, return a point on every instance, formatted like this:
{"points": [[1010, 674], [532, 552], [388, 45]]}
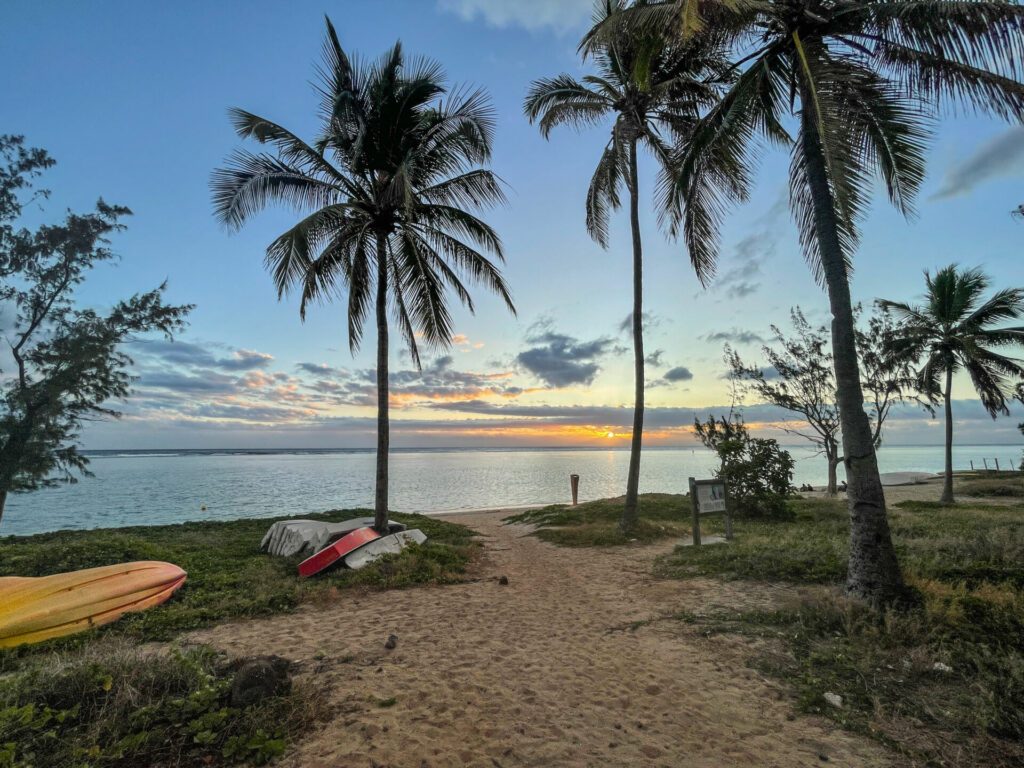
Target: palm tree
{"points": [[863, 81], [654, 87], [386, 188], [956, 330]]}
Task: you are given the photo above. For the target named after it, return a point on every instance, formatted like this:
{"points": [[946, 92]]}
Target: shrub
{"points": [[116, 704], [757, 471]]}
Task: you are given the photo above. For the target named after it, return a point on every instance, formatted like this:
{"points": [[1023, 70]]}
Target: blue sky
{"points": [[131, 99]]}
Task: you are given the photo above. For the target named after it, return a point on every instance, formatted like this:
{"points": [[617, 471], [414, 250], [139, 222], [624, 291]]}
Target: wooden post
{"points": [[972, 465], [696, 513], [986, 464], [997, 464], [728, 514], [574, 483]]}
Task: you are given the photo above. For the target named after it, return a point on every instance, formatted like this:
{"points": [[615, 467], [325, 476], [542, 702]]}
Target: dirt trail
{"points": [[541, 672]]}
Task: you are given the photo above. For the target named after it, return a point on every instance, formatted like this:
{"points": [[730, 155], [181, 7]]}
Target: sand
{"points": [[544, 671]]}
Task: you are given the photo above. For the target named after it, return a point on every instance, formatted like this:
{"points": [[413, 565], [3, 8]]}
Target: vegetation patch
{"points": [[228, 576], [596, 523], [996, 484], [116, 704], [941, 681]]}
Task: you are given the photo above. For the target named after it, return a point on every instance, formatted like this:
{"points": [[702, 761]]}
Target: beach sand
{"points": [[546, 671]]}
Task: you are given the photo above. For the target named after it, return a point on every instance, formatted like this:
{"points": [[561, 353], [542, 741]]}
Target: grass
{"points": [[596, 523], [993, 484], [115, 705], [941, 680], [228, 576], [102, 698], [969, 542]]}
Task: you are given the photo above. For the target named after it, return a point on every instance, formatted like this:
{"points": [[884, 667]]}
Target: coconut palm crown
{"points": [[653, 87], [958, 329], [385, 191], [851, 88]]}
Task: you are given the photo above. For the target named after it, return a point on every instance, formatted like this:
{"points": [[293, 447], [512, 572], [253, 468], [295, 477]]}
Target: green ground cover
{"points": [[596, 523], [940, 679], [107, 698]]}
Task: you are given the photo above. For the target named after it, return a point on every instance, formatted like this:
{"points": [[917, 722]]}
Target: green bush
{"points": [[117, 704], [758, 472]]}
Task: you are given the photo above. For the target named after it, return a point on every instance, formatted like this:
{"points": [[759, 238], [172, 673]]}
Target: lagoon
{"points": [[160, 487]]}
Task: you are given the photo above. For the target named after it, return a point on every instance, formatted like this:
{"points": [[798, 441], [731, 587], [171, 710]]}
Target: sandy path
{"points": [[536, 673]]}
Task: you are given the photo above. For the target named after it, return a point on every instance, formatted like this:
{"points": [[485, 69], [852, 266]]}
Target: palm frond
{"points": [[563, 100], [469, 262], [249, 182], [713, 168], [603, 193]]}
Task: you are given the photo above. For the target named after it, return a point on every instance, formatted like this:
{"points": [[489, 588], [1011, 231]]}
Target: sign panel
{"points": [[710, 497]]}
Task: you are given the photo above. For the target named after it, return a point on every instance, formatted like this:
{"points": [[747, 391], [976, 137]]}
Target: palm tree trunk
{"points": [[873, 572], [380, 504], [631, 511], [947, 483], [3, 503]]}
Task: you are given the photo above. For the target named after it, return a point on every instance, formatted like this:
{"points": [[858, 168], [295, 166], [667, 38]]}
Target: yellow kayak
{"points": [[33, 609]]}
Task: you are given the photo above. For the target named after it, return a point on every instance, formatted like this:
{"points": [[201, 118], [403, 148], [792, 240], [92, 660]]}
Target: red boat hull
{"points": [[332, 553]]}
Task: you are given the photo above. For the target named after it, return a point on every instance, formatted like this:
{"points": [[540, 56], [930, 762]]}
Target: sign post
{"points": [[709, 497]]}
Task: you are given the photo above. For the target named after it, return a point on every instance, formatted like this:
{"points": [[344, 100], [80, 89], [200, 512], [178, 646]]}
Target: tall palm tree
{"points": [[386, 188], [863, 80], [653, 87], [956, 329]]}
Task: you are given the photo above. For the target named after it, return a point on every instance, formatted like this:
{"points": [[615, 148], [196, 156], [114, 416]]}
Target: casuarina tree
{"points": [[800, 377], [67, 363]]}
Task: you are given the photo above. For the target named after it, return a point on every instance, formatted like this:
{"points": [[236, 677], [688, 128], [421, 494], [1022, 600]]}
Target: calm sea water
{"points": [[152, 488]]}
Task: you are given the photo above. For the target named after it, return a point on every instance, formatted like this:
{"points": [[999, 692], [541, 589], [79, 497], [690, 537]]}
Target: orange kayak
{"points": [[33, 609]]}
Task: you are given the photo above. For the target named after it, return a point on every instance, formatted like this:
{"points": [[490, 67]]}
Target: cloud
{"points": [[679, 373], [650, 321], [560, 360], [734, 336], [246, 360], [559, 15], [463, 341], [208, 381], [193, 354], [606, 415], [321, 369], [655, 358], [1002, 155], [743, 277]]}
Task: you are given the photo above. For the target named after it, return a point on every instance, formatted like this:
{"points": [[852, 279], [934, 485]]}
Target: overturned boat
{"points": [[385, 545]]}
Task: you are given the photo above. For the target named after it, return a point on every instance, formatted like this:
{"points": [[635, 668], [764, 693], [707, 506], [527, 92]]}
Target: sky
{"points": [[131, 99]]}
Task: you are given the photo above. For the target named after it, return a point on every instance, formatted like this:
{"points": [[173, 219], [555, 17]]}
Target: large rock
{"points": [[260, 678]]}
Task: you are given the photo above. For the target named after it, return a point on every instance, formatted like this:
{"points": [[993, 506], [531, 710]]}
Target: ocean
{"points": [[159, 487]]}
